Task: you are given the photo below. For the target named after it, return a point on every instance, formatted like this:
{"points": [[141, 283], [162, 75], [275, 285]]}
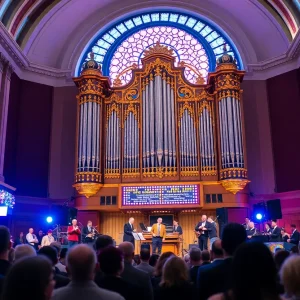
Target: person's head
{"points": [[103, 241], [251, 225], [280, 257], [274, 223], [57, 246], [49, 252], [268, 226], [216, 250], [30, 230], [195, 256], [110, 261], [205, 256], [81, 263], [74, 222], [159, 220], [49, 232], [203, 218], [175, 223], [290, 276], [5, 243], [145, 255], [233, 235], [153, 260], [29, 276], [128, 251], [160, 263], [186, 259], [40, 232], [253, 262], [293, 227], [131, 221], [63, 254], [282, 230], [89, 223], [21, 234], [247, 220], [295, 250], [210, 219], [175, 272], [137, 259], [24, 250]]}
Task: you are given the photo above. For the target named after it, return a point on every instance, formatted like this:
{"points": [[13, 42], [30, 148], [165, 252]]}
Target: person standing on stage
{"points": [[202, 228], [295, 236], [31, 238], [73, 233], [128, 230], [212, 232], [158, 232], [47, 239], [276, 232], [88, 234], [177, 228]]}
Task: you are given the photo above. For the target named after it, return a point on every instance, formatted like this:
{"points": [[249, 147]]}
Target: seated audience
{"points": [[136, 260], [103, 241], [153, 260], [61, 265], [205, 258], [19, 240], [5, 246], [132, 275], [24, 251], [279, 258], [253, 275], [51, 253], [144, 265], [295, 236], [175, 281], [290, 277], [216, 277], [29, 278], [195, 263], [111, 264], [159, 267], [81, 264]]}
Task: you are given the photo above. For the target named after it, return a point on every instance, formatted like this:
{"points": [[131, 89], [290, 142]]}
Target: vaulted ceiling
{"points": [[54, 33]]}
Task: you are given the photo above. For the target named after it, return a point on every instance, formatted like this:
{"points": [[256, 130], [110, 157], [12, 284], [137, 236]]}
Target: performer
{"points": [[158, 232], [295, 236], [251, 231], [246, 224], [47, 239], [128, 230], [88, 234], [31, 238], [212, 231], [202, 232], [276, 232], [73, 234], [177, 228], [284, 235]]}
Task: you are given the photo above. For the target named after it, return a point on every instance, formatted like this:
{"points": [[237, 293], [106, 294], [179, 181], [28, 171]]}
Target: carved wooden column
{"points": [[5, 75]]}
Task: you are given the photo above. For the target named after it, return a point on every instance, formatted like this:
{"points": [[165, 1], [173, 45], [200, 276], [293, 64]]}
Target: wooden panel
{"points": [[84, 216]]}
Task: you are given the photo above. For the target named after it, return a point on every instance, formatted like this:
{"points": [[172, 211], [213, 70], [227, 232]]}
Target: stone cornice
{"points": [[57, 77]]}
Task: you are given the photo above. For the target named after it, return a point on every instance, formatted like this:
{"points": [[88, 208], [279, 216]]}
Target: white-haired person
{"points": [[73, 234]]}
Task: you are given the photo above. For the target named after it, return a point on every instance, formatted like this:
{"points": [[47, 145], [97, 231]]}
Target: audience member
{"points": [[19, 240], [153, 260], [253, 275], [144, 265], [81, 264], [216, 277], [103, 241], [186, 258], [111, 264], [29, 278], [175, 281], [159, 267], [11, 255], [205, 258], [132, 275], [295, 250], [136, 260], [5, 246], [290, 277], [195, 263], [22, 251], [216, 253], [61, 265], [51, 253], [280, 257]]}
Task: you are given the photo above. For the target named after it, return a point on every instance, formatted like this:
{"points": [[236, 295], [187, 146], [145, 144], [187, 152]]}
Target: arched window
{"points": [[195, 42]]}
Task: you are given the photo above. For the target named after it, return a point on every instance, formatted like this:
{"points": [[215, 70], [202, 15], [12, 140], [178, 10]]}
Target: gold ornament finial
{"points": [[234, 185], [87, 189], [158, 49]]}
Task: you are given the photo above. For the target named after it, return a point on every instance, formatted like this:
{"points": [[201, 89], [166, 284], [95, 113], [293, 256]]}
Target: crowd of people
{"points": [[235, 268]]}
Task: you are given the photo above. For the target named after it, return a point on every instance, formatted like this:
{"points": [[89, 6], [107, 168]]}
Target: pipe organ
{"points": [[159, 127]]}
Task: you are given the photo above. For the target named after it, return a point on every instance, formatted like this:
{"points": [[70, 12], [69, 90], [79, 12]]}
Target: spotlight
{"points": [[258, 216], [49, 219]]}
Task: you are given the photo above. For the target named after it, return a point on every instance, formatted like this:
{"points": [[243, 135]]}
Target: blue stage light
{"points": [[49, 219], [258, 216]]}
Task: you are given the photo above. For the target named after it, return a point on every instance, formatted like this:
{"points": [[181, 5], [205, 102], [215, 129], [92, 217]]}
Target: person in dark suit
{"points": [[212, 231], [88, 234], [295, 236], [177, 228], [128, 230], [276, 232], [251, 231], [216, 277], [203, 228]]}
